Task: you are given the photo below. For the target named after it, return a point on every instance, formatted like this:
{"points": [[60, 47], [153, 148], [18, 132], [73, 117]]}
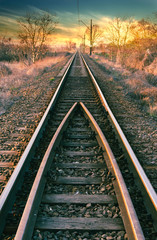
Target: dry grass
{"points": [[136, 83], [151, 92], [19, 68], [16, 75], [152, 68], [149, 96], [146, 93], [153, 110], [110, 65]]}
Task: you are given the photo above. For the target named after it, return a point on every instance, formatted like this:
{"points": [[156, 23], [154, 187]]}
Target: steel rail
{"points": [[130, 219], [8, 195], [149, 194], [28, 219]]}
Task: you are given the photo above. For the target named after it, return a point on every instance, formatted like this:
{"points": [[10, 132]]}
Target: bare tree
{"points": [[34, 31], [117, 33], [145, 35], [96, 34], [153, 27], [142, 30]]}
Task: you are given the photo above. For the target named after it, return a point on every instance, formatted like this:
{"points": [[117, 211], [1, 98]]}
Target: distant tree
{"points": [[144, 33], [96, 34], [141, 30], [118, 33], [70, 45], [153, 27], [33, 33]]}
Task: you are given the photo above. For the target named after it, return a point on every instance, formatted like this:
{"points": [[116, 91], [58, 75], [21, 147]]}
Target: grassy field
{"points": [[15, 76], [139, 84]]}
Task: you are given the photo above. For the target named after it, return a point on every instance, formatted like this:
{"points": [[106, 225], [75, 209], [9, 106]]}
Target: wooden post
{"points": [[84, 45], [91, 44]]}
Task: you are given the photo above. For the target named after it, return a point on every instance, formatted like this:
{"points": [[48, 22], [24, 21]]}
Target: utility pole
{"points": [[84, 43], [90, 33], [91, 41]]}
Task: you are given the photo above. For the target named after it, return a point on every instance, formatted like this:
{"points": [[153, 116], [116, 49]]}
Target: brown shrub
{"points": [[4, 70]]}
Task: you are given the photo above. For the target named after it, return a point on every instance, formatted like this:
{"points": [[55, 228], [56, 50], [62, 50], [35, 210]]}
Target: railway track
{"points": [[86, 147]]}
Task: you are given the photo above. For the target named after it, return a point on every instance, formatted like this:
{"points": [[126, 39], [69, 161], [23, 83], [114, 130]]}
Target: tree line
{"points": [[119, 37], [122, 36]]}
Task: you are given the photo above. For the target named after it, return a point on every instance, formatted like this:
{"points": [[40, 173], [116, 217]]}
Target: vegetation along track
{"points": [[79, 87]]}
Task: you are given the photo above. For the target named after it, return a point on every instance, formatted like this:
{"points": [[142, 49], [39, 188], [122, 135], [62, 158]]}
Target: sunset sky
{"points": [[68, 12]]}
